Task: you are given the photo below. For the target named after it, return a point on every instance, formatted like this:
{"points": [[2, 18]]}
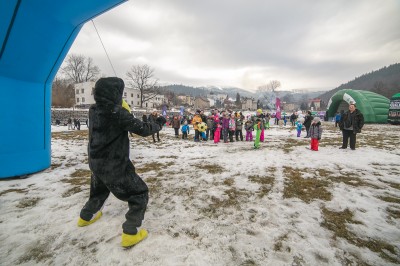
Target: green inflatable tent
{"points": [[373, 106]]}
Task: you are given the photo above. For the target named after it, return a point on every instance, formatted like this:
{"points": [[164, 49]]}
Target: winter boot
{"points": [[82, 222], [131, 240]]}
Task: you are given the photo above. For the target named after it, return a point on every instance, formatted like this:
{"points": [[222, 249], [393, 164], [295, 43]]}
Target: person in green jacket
{"points": [[257, 129]]}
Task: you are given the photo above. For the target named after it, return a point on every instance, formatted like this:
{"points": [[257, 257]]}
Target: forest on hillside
{"points": [[385, 81]]}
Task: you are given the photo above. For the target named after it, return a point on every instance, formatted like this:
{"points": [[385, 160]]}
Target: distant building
{"points": [[249, 104], [201, 103], [132, 97], [315, 103], [220, 96], [186, 99], [212, 102], [84, 96], [290, 107]]}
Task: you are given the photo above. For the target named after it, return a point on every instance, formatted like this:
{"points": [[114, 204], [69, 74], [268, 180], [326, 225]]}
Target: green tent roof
{"points": [[373, 106]]}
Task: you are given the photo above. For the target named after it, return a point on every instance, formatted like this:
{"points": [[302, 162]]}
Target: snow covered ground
{"points": [[217, 204]]}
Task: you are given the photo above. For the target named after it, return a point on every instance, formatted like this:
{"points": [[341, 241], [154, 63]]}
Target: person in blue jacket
{"points": [[337, 119], [185, 130]]}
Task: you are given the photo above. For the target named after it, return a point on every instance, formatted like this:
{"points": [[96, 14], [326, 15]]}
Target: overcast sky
{"points": [[247, 43]]}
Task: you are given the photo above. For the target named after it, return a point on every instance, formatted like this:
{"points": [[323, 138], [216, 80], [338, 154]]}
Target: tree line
{"points": [[78, 69]]}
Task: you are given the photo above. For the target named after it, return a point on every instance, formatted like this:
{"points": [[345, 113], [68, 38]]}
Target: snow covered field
{"points": [[223, 204]]}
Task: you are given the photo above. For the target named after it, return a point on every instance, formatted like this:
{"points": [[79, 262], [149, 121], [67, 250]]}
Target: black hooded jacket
{"points": [[109, 124], [356, 120]]}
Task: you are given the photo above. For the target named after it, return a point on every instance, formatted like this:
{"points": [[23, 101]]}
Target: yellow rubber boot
{"points": [[131, 240], [82, 222]]}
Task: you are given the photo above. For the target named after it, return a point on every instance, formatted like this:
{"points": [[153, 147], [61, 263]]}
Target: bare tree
{"points": [[268, 91], [63, 93], [270, 87], [80, 69], [141, 77]]}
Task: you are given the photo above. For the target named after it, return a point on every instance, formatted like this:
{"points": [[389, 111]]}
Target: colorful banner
{"points": [[182, 110], [278, 108], [164, 110]]}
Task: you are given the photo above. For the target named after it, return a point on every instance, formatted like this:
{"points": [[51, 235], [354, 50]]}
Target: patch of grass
{"points": [[71, 135], [235, 198], [55, 165], [290, 144], [323, 172], [28, 203], [250, 232], [379, 141], [71, 191], [80, 177], [279, 242], [81, 173], [77, 181], [39, 252], [351, 179], [298, 260], [16, 190], [191, 233], [229, 182], [248, 262], [169, 157], [321, 258], [393, 212], [210, 168], [336, 222], [305, 189], [389, 199], [266, 183], [392, 184], [154, 166], [154, 185]]}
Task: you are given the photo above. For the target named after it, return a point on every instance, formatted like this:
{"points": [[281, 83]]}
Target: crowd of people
{"points": [[228, 126]]}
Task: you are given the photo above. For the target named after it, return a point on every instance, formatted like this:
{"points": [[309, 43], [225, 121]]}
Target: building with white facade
{"points": [[84, 93], [84, 96]]}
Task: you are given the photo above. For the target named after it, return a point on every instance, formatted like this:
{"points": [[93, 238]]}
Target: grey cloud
{"points": [[333, 40]]}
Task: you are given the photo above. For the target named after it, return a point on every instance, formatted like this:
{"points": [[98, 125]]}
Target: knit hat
{"points": [[316, 119], [259, 111]]}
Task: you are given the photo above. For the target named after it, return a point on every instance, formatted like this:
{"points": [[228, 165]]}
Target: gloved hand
{"points": [[161, 120], [319, 138]]}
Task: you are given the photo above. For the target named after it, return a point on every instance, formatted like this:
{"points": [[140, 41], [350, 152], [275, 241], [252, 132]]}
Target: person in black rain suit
{"points": [[112, 170]]}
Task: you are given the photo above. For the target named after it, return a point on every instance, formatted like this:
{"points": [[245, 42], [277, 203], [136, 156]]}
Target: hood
{"points": [[109, 91]]}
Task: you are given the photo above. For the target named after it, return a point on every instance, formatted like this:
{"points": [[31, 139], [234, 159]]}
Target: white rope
{"points": [[109, 60]]}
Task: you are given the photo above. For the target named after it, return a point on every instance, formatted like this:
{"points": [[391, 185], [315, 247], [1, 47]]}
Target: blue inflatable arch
{"points": [[35, 36]]}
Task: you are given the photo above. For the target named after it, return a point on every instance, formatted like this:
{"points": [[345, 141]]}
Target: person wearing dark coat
{"points": [[176, 125], [293, 118], [351, 123], [307, 123], [108, 151], [152, 118]]}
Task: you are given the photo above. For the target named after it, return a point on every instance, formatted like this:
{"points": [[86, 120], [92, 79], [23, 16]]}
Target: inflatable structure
{"points": [[373, 106], [35, 37], [394, 110]]}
